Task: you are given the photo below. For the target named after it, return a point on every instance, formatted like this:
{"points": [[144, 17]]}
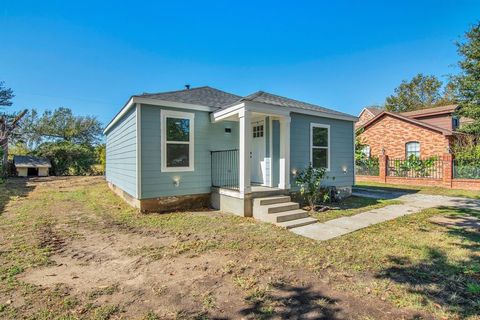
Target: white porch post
{"points": [[284, 181], [245, 151]]}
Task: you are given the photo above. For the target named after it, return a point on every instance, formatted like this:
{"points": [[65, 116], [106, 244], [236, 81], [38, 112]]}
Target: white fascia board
{"points": [[155, 102], [271, 109], [225, 113]]}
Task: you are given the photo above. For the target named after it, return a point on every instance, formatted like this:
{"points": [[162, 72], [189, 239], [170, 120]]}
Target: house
{"points": [[366, 115], [424, 133], [203, 146], [31, 166]]}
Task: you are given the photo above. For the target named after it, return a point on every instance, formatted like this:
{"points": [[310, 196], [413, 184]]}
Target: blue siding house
{"points": [[206, 147]]}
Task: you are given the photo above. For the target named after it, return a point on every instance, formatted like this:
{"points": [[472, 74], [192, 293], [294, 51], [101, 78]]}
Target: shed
{"points": [[31, 166]]}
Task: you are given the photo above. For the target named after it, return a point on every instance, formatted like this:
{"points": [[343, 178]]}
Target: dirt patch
{"points": [[99, 264], [464, 222]]}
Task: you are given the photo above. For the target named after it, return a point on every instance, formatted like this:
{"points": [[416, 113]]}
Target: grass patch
{"points": [[409, 262], [421, 189], [351, 206]]}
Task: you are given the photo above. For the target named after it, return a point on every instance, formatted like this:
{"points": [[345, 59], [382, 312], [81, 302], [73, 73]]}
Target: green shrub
{"points": [[309, 180], [68, 158]]}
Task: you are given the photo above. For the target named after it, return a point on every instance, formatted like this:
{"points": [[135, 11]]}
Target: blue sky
{"points": [[92, 55]]}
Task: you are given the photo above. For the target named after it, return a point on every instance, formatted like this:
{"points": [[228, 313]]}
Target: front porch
{"points": [[262, 157], [259, 166]]}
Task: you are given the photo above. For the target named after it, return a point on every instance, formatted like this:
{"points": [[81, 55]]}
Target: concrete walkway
{"points": [[412, 203]]}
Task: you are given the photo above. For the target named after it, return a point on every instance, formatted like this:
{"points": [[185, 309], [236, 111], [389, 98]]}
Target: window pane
{"points": [[177, 155], [413, 148], [178, 129], [320, 137], [319, 158]]}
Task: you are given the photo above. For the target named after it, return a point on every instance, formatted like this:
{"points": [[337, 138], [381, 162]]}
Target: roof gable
{"points": [[409, 120]]}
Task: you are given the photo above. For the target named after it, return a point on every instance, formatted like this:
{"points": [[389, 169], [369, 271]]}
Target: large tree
{"points": [[60, 125], [8, 123], [468, 81], [422, 91]]}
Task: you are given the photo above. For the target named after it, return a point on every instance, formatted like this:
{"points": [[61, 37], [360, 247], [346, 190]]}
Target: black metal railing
{"points": [[416, 168], [367, 167], [225, 169], [466, 168]]}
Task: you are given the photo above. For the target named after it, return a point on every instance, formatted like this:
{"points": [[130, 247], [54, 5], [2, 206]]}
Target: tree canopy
{"points": [[8, 123], [422, 91], [60, 125], [468, 81]]}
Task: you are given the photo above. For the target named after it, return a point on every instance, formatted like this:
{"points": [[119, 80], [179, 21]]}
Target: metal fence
{"points": [[431, 168], [225, 169], [367, 168], [466, 168]]}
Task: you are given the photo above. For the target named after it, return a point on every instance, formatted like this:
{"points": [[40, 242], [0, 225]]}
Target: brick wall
{"points": [[364, 117], [446, 180], [392, 134]]}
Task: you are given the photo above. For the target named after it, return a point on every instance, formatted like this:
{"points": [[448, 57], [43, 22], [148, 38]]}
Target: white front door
{"points": [[258, 152]]}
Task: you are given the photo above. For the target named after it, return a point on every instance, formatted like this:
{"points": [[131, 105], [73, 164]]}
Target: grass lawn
{"points": [[351, 206], [71, 249], [421, 189]]}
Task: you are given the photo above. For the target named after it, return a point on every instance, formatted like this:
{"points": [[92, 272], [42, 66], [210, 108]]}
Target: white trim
{"points": [[284, 159], [245, 132], [164, 114], [270, 120], [275, 110], [154, 102], [139, 151], [320, 125]]}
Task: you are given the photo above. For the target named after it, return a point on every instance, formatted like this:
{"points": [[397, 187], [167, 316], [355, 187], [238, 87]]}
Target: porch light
{"points": [[344, 169], [294, 172], [176, 181]]}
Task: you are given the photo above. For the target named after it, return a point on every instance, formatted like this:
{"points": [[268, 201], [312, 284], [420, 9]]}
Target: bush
{"points": [[309, 181], [68, 158]]}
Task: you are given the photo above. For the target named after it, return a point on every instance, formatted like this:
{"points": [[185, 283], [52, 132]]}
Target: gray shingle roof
{"points": [[31, 162], [211, 97], [269, 98], [204, 96]]}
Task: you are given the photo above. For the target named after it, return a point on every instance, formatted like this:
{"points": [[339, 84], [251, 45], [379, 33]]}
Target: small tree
{"points": [[309, 180]]}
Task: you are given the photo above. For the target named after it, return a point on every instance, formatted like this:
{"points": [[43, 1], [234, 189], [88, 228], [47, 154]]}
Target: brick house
{"points": [[425, 133]]}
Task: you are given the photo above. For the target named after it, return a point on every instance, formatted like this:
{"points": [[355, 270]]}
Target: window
{"points": [[258, 131], [412, 147], [320, 145], [177, 141], [366, 151], [455, 122]]}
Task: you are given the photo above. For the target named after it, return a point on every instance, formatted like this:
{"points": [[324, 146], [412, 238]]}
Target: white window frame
{"points": [[164, 114], [320, 125]]}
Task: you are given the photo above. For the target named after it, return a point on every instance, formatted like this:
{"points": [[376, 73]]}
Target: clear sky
{"points": [[92, 55]]}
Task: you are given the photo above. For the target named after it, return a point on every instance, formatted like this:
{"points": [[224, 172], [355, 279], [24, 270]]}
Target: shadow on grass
{"points": [[453, 285], [13, 188], [292, 302]]}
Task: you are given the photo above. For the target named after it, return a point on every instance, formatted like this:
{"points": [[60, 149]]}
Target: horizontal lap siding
{"points": [[207, 137], [121, 155], [341, 148]]}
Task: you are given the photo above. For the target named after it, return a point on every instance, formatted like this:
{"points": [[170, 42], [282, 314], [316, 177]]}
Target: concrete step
{"points": [[270, 200], [288, 215], [279, 207], [296, 223]]}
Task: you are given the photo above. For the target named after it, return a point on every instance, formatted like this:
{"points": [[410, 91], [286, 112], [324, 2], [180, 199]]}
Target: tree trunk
{"points": [[4, 146]]}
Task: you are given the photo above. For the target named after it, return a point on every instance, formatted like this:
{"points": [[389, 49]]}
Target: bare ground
{"points": [[99, 266]]}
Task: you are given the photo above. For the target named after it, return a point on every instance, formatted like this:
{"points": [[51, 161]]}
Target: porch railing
{"points": [[225, 169]]}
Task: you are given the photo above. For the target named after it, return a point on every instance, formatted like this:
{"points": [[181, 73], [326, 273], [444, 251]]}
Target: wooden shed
{"points": [[31, 166]]}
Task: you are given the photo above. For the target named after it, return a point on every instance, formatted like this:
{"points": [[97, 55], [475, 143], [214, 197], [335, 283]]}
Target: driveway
{"points": [[412, 203]]}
